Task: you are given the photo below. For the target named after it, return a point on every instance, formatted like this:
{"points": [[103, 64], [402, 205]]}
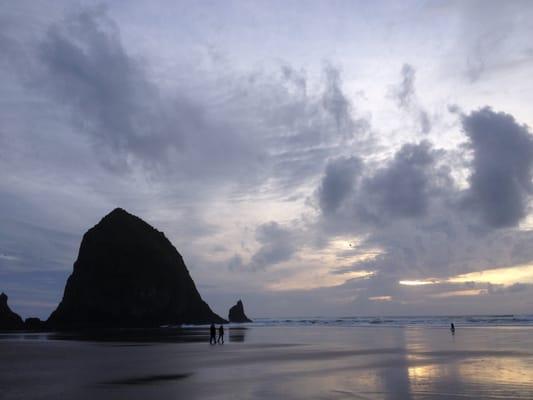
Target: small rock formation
{"points": [[8, 319], [33, 324], [128, 274], [236, 313]]}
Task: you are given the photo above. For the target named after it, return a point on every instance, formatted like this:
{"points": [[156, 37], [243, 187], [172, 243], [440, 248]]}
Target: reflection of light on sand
{"points": [[323, 376], [497, 370], [422, 372], [483, 376]]}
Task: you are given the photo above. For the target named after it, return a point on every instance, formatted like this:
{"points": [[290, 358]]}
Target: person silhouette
{"points": [[221, 335], [213, 332], [452, 328]]}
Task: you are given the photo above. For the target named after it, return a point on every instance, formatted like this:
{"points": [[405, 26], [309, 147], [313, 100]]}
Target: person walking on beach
{"points": [[452, 328], [221, 335], [213, 332]]}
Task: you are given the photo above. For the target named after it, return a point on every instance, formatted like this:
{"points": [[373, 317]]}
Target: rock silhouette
{"points": [[33, 324], [8, 319], [128, 274], [236, 313]]}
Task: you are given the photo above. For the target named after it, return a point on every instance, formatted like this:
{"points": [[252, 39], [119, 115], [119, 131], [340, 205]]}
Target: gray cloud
{"points": [[354, 194], [488, 26], [405, 91], [338, 106], [87, 69], [500, 182], [276, 245], [338, 183], [405, 97], [403, 187], [112, 99]]}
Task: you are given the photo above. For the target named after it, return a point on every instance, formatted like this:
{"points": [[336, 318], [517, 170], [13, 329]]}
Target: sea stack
{"points": [[236, 313], [128, 274], [33, 324], [8, 319]]}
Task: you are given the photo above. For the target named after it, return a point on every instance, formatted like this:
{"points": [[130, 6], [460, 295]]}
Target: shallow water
{"points": [[272, 362]]}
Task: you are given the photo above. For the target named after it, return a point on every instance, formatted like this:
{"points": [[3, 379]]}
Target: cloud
{"points": [[235, 263], [406, 99], [487, 35], [514, 288], [403, 187], [276, 245], [339, 106], [338, 183], [405, 91], [87, 68], [500, 181], [357, 197]]}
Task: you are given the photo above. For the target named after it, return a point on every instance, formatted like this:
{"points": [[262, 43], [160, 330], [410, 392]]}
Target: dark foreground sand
{"points": [[275, 363]]}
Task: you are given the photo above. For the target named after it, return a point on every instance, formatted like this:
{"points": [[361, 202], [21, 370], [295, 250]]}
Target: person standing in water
{"points": [[221, 335], [213, 332], [452, 328]]}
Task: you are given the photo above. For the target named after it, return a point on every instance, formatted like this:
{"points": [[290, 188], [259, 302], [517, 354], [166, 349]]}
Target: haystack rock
{"points": [[128, 274], [236, 313], [8, 319]]}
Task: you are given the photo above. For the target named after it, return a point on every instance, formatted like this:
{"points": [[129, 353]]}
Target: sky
{"points": [[335, 158]]}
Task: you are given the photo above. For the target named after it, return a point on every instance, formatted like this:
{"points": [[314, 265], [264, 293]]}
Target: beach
{"points": [[290, 362]]}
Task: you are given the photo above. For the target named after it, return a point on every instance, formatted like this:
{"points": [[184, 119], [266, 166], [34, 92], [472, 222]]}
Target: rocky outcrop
{"points": [[128, 274], [236, 313], [8, 319], [33, 324]]}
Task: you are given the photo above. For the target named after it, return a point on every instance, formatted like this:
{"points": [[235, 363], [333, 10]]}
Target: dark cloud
{"points": [[500, 182], [338, 183], [235, 263], [276, 245], [353, 194], [403, 187], [111, 98], [425, 122], [405, 91], [339, 106], [514, 288], [405, 97]]}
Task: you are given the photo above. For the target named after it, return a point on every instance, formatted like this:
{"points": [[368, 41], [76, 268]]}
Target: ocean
{"points": [[402, 321]]}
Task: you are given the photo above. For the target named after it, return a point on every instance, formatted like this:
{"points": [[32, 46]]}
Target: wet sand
{"points": [[273, 362]]}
